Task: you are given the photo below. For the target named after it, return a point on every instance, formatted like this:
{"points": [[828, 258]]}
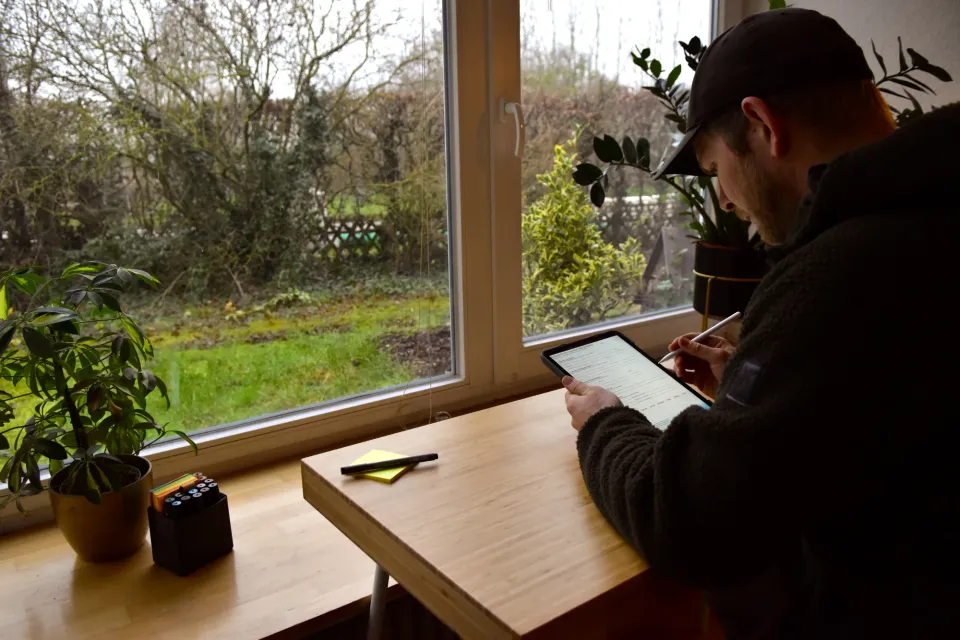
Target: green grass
{"points": [[321, 358], [347, 205], [220, 370]]}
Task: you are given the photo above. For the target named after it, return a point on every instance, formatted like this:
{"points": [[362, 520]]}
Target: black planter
{"points": [[744, 266]]}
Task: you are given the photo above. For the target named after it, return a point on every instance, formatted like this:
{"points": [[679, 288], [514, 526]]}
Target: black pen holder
{"points": [[185, 544]]}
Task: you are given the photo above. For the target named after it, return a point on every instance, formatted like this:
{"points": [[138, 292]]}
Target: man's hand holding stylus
{"points": [[702, 363], [584, 400]]}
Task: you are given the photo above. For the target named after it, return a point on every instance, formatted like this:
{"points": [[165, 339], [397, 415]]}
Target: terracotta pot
{"points": [[111, 530], [726, 262]]}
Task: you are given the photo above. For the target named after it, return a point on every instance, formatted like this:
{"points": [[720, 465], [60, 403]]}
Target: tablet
{"points": [[611, 361]]}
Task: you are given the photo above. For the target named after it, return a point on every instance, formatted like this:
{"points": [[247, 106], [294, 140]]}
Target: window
{"points": [[583, 265], [330, 196], [280, 167]]}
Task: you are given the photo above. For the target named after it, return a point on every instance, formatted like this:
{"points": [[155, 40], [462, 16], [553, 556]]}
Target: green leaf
{"points": [[162, 387], [193, 445], [120, 347], [926, 66], [69, 439], [695, 45], [645, 53], [148, 380], [597, 195], [26, 280], [54, 467], [103, 480], [4, 307], [43, 316], [91, 493], [6, 335], [674, 74], [133, 330], [50, 448], [655, 68], [586, 174], [4, 443], [77, 268], [879, 58], [908, 84], [937, 72], [913, 101], [5, 469], [919, 82], [95, 398], [629, 150], [892, 93], [777, 4], [643, 152], [143, 275], [903, 59], [59, 310], [110, 302], [613, 148], [607, 149], [38, 343], [66, 326]]}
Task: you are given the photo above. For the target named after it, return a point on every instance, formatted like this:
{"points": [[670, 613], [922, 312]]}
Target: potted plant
{"points": [[728, 263], [66, 343]]}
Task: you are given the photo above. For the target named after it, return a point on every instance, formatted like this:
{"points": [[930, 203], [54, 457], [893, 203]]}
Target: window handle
{"points": [[514, 109]]}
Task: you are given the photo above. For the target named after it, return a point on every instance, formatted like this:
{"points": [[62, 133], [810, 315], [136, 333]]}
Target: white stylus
{"points": [[703, 335]]}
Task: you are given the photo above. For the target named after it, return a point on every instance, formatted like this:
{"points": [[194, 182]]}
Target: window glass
{"points": [[583, 265], [279, 166]]}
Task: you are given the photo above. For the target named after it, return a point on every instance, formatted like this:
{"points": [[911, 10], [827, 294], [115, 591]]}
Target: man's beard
{"points": [[770, 205]]}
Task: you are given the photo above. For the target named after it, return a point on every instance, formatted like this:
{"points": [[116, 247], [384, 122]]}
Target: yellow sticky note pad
{"points": [[385, 475]]}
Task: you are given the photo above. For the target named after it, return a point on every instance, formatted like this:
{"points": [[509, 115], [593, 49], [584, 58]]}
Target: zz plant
{"points": [[71, 347]]}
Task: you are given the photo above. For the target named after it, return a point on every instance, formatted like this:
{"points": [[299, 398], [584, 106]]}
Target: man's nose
{"points": [[725, 203]]}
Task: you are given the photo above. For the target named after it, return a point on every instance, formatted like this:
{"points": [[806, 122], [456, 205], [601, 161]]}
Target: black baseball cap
{"points": [[762, 55]]}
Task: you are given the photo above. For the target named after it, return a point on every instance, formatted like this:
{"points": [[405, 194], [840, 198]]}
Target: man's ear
{"points": [[766, 126]]}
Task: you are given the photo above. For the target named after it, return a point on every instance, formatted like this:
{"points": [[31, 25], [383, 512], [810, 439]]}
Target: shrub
{"points": [[572, 277]]}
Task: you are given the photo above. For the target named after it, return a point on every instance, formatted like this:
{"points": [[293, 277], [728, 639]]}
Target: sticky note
{"points": [[385, 475]]}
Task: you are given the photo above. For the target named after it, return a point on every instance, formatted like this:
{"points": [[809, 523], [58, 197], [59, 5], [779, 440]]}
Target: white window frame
{"points": [[492, 360]]}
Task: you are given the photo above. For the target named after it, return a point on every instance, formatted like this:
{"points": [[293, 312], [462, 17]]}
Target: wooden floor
{"points": [[290, 570]]}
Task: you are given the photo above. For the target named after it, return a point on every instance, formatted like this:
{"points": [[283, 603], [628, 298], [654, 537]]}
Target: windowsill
{"points": [[542, 342], [290, 570]]}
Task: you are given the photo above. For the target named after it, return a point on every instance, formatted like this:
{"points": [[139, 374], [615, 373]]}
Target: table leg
{"points": [[378, 603]]}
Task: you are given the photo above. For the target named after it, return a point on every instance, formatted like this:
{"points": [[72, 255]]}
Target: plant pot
{"points": [[111, 530], [736, 274]]}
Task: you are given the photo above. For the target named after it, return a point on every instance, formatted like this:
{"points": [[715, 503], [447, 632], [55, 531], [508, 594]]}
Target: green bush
{"points": [[571, 276]]}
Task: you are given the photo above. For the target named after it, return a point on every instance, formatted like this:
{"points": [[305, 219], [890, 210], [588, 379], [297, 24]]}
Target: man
{"points": [[819, 496]]}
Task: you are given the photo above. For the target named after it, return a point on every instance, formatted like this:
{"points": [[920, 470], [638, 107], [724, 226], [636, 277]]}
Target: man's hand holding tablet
{"points": [[607, 370], [584, 400]]}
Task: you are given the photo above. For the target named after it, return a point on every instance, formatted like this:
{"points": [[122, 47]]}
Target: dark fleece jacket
{"points": [[819, 497]]}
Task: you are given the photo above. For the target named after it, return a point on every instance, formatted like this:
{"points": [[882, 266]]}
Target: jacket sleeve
{"points": [[794, 434]]}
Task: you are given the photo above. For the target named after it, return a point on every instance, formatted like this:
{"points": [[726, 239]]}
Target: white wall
{"points": [[932, 27]]}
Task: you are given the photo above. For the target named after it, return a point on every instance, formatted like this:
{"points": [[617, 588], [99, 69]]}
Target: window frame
{"points": [[492, 361]]}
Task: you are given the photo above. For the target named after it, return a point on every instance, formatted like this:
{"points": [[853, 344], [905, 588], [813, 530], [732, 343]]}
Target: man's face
{"points": [[748, 187]]}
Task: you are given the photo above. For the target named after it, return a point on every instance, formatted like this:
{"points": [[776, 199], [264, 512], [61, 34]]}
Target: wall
{"points": [[929, 26]]}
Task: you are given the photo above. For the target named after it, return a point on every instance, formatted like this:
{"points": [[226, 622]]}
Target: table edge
{"points": [[449, 602]]}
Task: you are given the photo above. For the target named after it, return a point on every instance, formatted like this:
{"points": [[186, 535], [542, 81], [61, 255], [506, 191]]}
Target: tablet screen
{"points": [[640, 383]]}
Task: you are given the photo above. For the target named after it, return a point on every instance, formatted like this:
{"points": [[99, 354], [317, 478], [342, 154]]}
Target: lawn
{"points": [[217, 375], [222, 363]]}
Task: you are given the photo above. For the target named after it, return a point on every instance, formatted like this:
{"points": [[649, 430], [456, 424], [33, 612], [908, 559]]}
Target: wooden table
{"points": [[499, 538]]}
